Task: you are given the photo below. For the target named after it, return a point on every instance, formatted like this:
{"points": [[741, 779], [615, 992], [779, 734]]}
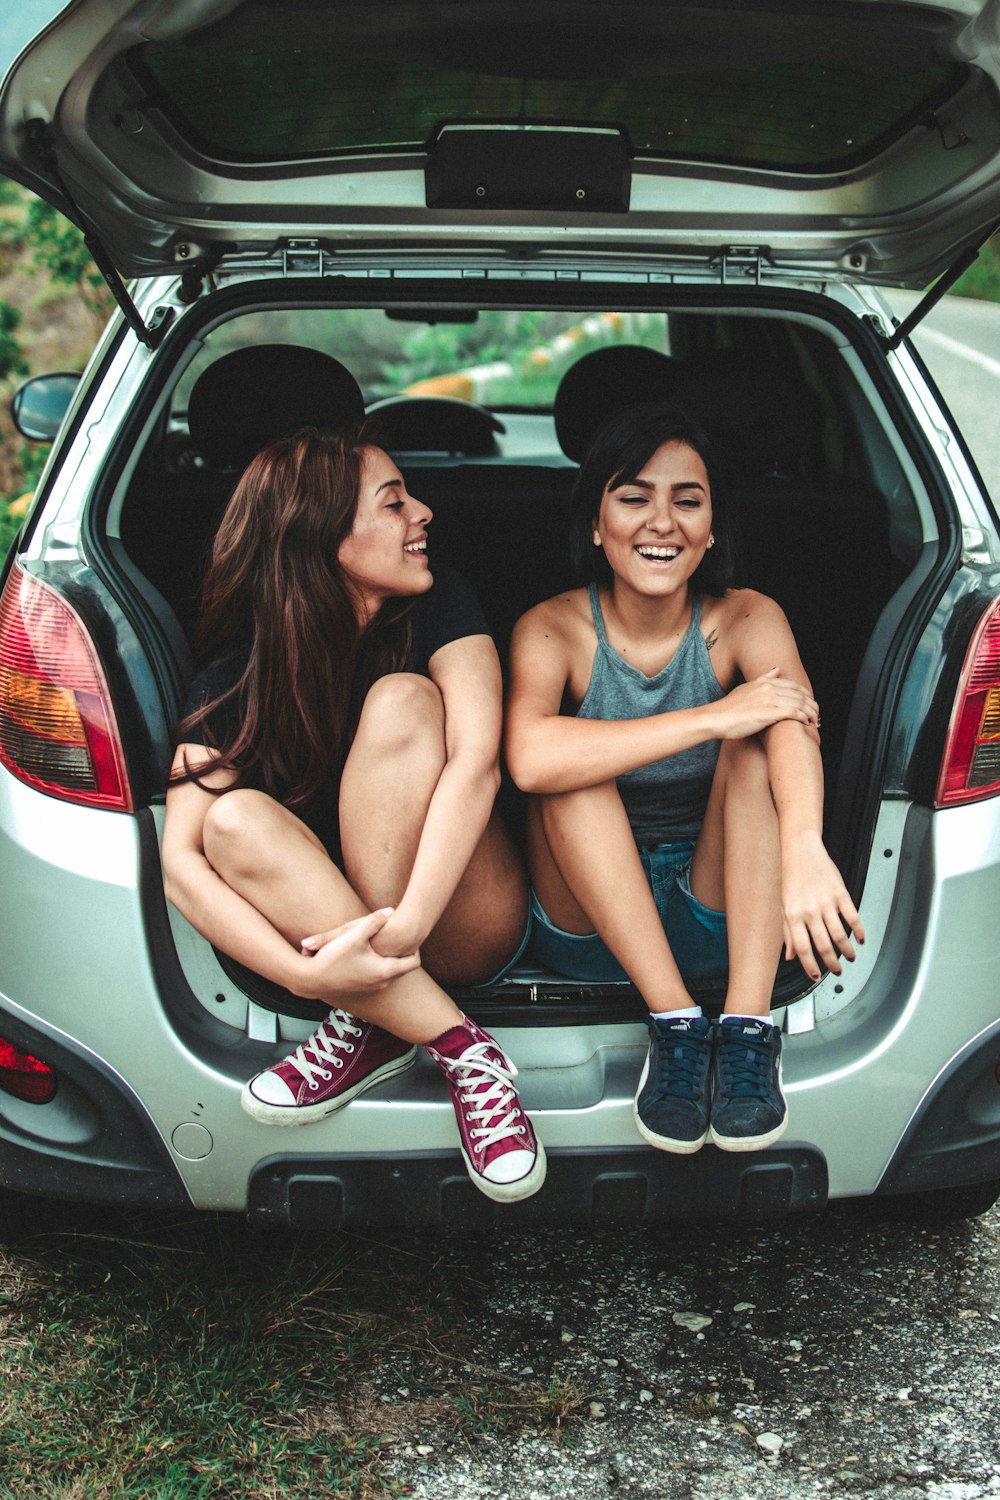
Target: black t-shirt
{"points": [[449, 611]]}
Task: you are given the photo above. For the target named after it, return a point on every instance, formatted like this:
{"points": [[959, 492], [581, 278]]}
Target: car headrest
{"points": [[606, 381], [765, 421], [253, 396], [434, 424]]}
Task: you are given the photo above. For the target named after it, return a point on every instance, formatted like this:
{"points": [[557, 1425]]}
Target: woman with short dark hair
{"points": [[667, 729], [330, 818]]}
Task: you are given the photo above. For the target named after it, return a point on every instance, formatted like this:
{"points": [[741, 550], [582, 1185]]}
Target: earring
{"points": [[597, 537], [711, 539]]}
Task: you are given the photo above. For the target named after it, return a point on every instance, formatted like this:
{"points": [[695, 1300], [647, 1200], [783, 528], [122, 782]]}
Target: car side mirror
{"points": [[39, 405]]}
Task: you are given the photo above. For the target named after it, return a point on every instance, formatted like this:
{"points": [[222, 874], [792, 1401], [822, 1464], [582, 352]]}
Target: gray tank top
{"points": [[665, 800]]}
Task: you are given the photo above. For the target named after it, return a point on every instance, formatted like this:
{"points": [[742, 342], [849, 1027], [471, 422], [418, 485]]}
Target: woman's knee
{"points": [[561, 813], [744, 760], [401, 710], [234, 825]]}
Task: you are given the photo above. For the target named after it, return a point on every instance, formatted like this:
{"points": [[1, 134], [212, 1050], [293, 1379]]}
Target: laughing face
{"points": [[655, 529], [386, 552]]}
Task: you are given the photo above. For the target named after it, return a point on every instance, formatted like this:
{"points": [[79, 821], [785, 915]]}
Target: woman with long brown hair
{"points": [[330, 819]]}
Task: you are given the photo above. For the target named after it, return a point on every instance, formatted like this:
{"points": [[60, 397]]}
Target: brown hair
{"points": [[273, 581]]}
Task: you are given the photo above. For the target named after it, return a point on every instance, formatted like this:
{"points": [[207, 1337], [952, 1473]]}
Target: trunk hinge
{"points": [[740, 263], [931, 298], [150, 333], [302, 258]]}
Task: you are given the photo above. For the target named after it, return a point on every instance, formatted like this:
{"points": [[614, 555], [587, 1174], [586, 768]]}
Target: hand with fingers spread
{"points": [[819, 917], [766, 700], [343, 961]]}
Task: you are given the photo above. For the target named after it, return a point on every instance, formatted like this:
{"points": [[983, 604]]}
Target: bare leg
{"points": [[588, 877], [396, 759], [736, 869], [271, 859]]}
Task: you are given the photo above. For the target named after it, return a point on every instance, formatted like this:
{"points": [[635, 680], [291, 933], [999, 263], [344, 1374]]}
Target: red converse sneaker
{"points": [[343, 1058], [502, 1154]]}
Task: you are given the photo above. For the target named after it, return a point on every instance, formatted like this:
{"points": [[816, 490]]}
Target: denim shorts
{"points": [[696, 934], [485, 984]]}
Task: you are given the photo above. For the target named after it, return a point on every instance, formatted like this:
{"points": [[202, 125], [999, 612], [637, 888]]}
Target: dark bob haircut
{"points": [[618, 453]]}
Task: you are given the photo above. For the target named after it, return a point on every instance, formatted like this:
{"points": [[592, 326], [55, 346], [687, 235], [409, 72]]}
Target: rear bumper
{"points": [[954, 1138], [93, 1142], [620, 1184]]}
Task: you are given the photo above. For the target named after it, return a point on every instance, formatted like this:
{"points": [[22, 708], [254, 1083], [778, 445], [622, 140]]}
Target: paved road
{"points": [[805, 1361], [960, 344]]}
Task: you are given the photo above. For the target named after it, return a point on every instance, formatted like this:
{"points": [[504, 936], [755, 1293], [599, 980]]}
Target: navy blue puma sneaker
{"points": [[671, 1105], [748, 1108]]}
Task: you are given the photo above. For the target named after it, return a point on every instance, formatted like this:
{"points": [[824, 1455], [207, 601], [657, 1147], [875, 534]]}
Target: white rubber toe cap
{"points": [[510, 1167], [270, 1089]]}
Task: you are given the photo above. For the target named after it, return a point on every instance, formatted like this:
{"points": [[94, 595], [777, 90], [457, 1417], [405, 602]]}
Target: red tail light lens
{"points": [[57, 724], [24, 1076], [971, 766]]}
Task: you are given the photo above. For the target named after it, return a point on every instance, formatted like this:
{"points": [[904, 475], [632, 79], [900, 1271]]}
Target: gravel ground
{"points": [[820, 1357]]}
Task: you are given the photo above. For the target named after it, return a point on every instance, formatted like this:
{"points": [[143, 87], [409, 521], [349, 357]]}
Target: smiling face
{"points": [[656, 528], [385, 554]]}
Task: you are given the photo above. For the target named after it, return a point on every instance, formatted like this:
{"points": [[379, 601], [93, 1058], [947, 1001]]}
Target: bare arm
{"points": [[818, 913], [467, 674], [548, 751], [346, 964]]}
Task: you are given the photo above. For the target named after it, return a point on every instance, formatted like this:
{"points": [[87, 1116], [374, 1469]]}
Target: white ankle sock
{"points": [[664, 1015]]}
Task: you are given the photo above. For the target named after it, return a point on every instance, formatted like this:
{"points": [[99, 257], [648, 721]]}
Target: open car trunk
{"points": [[835, 518]]}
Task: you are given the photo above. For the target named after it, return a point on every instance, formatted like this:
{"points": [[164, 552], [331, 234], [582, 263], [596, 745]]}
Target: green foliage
{"points": [[440, 348], [982, 279], [59, 250], [9, 526], [31, 461], [12, 361]]}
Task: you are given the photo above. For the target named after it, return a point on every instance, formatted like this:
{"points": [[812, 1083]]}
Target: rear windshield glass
{"points": [[806, 87], [502, 359]]}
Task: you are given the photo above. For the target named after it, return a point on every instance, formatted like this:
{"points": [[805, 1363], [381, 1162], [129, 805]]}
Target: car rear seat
{"points": [[243, 400]]}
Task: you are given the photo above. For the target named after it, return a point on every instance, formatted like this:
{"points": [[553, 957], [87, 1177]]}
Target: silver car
{"points": [[493, 216]]}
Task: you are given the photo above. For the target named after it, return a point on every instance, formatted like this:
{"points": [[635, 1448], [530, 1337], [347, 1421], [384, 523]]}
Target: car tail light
{"points": [[24, 1076], [971, 766], [57, 723]]}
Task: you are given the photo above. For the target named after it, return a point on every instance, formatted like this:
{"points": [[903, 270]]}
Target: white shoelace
{"points": [[330, 1036], [473, 1070]]}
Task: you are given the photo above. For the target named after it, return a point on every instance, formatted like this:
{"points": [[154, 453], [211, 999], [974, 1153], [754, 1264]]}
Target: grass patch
{"points": [[489, 1410], [195, 1360]]}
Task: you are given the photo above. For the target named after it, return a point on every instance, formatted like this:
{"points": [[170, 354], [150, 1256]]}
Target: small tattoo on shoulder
{"points": [[711, 639]]}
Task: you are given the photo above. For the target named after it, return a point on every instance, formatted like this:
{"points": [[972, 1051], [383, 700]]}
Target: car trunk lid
{"points": [[856, 138]]}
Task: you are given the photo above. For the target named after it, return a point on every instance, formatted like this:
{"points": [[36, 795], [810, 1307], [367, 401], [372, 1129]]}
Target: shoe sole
{"points": [[510, 1192], [748, 1142], [309, 1114], [662, 1142]]}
